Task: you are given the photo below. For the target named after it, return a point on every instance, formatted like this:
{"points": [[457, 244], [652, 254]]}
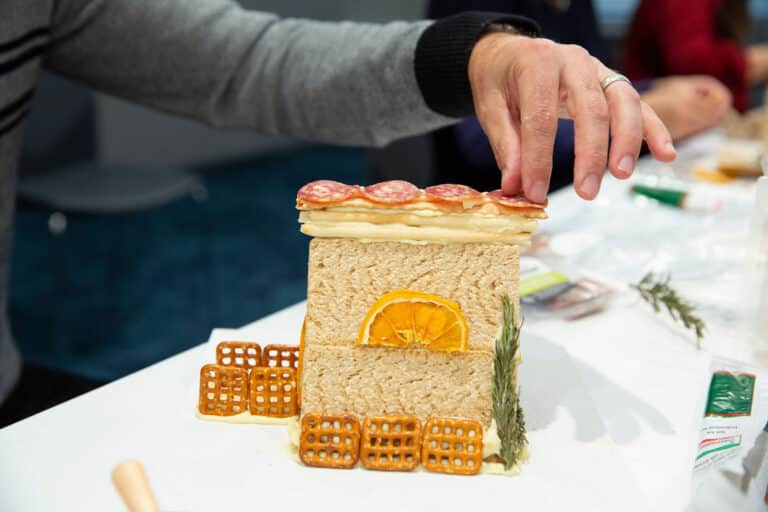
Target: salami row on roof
{"points": [[398, 192]]}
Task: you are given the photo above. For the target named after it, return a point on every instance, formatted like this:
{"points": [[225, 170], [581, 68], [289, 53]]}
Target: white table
{"points": [[646, 378]]}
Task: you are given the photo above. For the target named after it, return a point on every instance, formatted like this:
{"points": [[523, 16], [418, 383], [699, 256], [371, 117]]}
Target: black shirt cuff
{"points": [[442, 58]]}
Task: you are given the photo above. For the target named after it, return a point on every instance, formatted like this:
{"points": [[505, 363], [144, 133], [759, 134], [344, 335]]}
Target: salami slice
{"points": [[518, 201], [326, 191], [452, 193], [392, 192]]}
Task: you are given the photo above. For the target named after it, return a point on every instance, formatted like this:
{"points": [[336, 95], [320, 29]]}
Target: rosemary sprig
{"points": [[657, 292], [510, 421]]}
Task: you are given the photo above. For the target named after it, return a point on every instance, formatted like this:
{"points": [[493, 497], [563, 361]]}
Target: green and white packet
{"points": [[730, 470]]}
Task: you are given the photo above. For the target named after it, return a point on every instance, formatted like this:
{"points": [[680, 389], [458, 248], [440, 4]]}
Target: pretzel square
{"points": [[223, 390], [330, 440], [238, 353], [280, 356], [452, 446], [391, 443], [273, 392]]}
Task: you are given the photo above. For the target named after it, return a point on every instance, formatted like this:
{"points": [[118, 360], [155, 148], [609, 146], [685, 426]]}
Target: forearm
{"points": [[347, 83]]}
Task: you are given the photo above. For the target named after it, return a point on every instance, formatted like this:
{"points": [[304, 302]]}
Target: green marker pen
{"points": [[697, 202]]}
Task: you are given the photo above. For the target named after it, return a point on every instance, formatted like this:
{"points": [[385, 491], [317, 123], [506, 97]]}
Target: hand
{"points": [[689, 104], [757, 63], [520, 85]]}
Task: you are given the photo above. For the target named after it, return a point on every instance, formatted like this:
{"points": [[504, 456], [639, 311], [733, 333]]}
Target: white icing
{"points": [[420, 223], [245, 418], [401, 232], [294, 431], [490, 223]]}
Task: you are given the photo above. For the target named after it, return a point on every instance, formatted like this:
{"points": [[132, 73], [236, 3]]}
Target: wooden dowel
{"points": [[132, 483]]}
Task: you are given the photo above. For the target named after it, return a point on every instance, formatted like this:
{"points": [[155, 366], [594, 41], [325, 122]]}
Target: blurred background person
{"points": [[687, 105], [696, 37]]}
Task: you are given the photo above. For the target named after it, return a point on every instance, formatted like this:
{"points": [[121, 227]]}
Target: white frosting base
{"points": [[491, 446], [245, 418], [402, 232], [464, 221]]}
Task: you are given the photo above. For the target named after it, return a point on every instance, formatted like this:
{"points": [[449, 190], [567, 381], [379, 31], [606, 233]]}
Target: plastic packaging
{"points": [[731, 464], [757, 275], [547, 292]]}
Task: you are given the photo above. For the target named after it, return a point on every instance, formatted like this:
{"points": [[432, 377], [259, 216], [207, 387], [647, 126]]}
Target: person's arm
{"points": [[345, 83], [689, 104], [364, 84]]}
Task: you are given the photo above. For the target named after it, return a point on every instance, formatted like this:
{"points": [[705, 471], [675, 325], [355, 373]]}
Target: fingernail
{"points": [[670, 147], [538, 192], [626, 165], [590, 186]]}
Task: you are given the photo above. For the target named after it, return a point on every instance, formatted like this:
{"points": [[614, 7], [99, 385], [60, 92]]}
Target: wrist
{"points": [[443, 54], [505, 28], [487, 48]]}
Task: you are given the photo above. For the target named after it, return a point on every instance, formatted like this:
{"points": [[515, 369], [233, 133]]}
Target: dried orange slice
{"points": [[403, 318]]}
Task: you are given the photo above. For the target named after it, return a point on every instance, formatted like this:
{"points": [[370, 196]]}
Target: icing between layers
{"points": [[356, 219]]}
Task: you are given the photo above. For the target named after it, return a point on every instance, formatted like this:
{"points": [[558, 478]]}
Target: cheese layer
{"points": [[416, 225]]}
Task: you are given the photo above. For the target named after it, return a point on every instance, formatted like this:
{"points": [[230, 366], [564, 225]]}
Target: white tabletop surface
{"points": [[645, 377]]}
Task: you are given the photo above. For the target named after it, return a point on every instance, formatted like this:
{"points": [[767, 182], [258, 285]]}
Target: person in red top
{"points": [[695, 37]]}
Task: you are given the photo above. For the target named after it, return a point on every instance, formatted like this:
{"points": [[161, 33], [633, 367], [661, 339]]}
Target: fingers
{"points": [[511, 177], [495, 103], [539, 99], [656, 135], [626, 128], [591, 116], [519, 84], [493, 113]]}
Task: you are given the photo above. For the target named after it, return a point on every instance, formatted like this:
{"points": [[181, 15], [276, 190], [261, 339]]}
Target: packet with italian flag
{"points": [[731, 464]]}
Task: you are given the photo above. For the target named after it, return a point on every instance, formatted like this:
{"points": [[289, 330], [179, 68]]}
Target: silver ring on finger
{"points": [[612, 79]]}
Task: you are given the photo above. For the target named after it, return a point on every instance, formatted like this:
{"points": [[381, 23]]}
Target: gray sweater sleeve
{"points": [[348, 83]]}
